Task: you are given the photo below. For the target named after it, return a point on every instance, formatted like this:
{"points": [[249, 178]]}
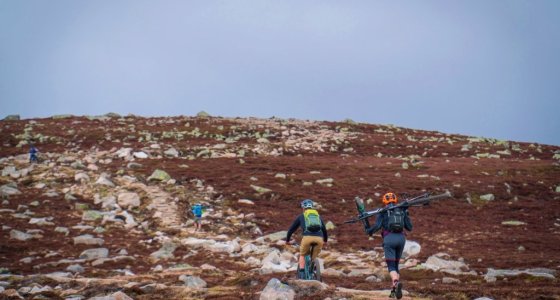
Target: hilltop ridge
{"points": [[106, 208]]}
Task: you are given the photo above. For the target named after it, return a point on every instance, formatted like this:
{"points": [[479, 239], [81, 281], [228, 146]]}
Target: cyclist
{"points": [[392, 221], [314, 231], [197, 211]]}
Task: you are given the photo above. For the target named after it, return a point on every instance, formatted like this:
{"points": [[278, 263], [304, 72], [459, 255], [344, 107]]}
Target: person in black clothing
{"points": [[310, 234], [393, 239]]}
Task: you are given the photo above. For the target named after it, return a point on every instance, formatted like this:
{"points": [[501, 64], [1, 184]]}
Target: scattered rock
{"points": [[487, 197], [128, 200], [115, 296], [330, 225], [91, 215], [492, 274], [75, 269], [193, 282], [140, 155], [513, 223], [95, 253], [275, 289], [245, 201], [438, 263], [20, 236], [8, 190], [260, 190], [165, 252], [307, 288], [171, 152], [411, 249], [449, 280], [274, 237], [103, 180], [88, 239], [81, 177], [159, 175]]}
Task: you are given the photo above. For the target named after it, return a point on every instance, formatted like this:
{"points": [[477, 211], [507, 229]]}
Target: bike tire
{"points": [[317, 270]]}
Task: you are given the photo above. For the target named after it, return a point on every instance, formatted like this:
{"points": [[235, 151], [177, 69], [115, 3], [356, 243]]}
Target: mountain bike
{"points": [[312, 269]]}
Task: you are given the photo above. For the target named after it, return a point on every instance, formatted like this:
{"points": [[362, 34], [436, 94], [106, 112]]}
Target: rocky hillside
{"points": [[104, 213]]}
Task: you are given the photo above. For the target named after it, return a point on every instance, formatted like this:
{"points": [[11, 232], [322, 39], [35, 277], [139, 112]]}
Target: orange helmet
{"points": [[388, 198]]}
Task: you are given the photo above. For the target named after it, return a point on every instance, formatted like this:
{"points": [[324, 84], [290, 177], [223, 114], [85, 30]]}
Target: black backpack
{"points": [[395, 222]]}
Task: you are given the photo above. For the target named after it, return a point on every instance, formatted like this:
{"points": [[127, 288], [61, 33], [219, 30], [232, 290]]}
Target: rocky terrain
{"points": [[104, 214]]}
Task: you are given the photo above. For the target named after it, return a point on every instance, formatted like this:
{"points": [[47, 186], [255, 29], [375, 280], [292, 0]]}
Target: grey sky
{"points": [[484, 68]]}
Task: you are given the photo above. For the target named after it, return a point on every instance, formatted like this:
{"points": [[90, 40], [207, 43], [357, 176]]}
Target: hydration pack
{"points": [[312, 220], [395, 221]]}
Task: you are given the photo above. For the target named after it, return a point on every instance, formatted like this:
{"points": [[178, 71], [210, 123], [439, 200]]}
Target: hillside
{"points": [[96, 187]]}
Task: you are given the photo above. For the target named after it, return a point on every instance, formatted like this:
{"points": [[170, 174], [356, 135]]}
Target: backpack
{"points": [[395, 220], [312, 221]]}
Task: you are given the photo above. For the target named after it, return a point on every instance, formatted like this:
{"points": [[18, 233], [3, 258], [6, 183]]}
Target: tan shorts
{"points": [[306, 245]]}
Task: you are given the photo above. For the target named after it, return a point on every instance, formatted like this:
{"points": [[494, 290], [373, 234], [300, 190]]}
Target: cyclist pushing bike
{"points": [[314, 232]]}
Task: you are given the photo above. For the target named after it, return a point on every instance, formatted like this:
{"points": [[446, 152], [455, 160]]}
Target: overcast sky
{"points": [[482, 68]]}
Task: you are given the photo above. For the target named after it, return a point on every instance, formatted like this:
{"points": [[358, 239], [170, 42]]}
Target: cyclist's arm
{"points": [[292, 229], [324, 230], [377, 226], [407, 222]]}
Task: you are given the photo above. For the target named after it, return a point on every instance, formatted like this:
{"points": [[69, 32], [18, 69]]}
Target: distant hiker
{"points": [[314, 231], [393, 222], [33, 154], [197, 211]]}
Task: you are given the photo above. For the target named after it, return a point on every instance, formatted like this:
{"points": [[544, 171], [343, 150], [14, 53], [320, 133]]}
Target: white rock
{"points": [[128, 200], [245, 201], [95, 253], [88, 239], [487, 197], [193, 282], [140, 155], [114, 296], [20, 236], [411, 249], [81, 177], [172, 152], [276, 290], [102, 180]]}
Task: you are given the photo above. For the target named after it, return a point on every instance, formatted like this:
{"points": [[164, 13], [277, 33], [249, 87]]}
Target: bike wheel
{"points": [[316, 270]]}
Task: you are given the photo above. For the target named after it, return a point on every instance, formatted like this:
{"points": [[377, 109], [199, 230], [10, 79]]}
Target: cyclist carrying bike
{"points": [[393, 222], [314, 231]]}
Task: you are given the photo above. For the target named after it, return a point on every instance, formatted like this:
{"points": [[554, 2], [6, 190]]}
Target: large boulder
{"points": [[276, 290], [128, 200], [159, 175]]}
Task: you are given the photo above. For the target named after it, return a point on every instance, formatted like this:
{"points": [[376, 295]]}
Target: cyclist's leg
{"points": [[390, 244], [303, 250], [317, 249]]}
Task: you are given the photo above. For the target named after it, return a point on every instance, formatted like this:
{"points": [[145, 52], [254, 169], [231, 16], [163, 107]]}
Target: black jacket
{"points": [[300, 221]]}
